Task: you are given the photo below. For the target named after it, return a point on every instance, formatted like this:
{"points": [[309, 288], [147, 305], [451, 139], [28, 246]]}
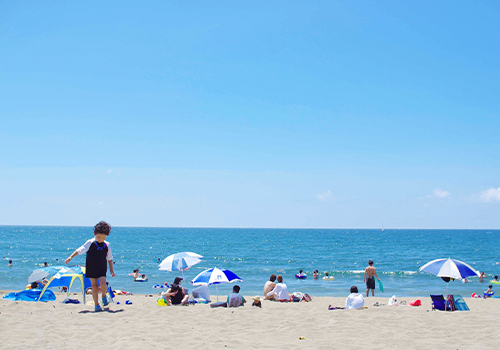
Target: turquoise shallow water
{"points": [[254, 254]]}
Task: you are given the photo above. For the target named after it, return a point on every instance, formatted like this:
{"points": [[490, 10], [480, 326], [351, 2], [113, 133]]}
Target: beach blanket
{"points": [[31, 295]]}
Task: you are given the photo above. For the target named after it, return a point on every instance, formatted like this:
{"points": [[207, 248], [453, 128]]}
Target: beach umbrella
{"points": [[49, 271], [449, 269], [180, 262], [215, 276]]}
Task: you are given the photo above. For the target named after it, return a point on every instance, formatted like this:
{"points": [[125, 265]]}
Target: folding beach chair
{"points": [[460, 304], [438, 303]]}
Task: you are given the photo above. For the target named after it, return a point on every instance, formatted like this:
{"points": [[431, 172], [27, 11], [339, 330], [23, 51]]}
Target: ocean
{"points": [[255, 254]]}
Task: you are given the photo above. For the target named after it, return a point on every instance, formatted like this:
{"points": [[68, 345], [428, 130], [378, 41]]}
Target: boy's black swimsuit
{"points": [[370, 282], [96, 263]]}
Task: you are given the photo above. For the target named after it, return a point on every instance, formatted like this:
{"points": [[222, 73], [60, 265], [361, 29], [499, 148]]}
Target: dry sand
{"points": [[145, 325]]}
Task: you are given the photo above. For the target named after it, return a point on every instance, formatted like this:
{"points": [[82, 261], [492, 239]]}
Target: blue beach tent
{"points": [[66, 279]]}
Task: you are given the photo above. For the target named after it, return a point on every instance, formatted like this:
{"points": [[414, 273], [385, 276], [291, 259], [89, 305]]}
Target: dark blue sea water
{"points": [[254, 254]]}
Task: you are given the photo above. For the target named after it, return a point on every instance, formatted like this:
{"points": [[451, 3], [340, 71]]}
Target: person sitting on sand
{"points": [[235, 299], [269, 286], [355, 300], [280, 291], [257, 301], [176, 293]]}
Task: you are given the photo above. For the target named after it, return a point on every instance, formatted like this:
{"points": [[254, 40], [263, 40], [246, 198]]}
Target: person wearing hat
{"points": [[176, 293], [257, 301]]}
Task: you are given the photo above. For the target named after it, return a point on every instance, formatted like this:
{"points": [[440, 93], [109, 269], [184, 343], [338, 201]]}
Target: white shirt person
{"points": [[280, 290]]}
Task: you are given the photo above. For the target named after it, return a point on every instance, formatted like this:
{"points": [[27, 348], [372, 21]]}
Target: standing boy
{"points": [[98, 252], [369, 278]]}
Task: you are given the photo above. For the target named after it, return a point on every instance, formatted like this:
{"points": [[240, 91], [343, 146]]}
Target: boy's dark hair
{"points": [[354, 289], [236, 289], [370, 262], [496, 277], [490, 286], [280, 279], [34, 285], [272, 278], [102, 227]]}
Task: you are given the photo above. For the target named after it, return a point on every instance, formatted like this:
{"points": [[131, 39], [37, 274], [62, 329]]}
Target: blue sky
{"points": [[226, 114]]}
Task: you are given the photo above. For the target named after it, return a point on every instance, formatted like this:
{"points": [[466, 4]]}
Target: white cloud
{"points": [[324, 196], [439, 193], [109, 171], [490, 195]]}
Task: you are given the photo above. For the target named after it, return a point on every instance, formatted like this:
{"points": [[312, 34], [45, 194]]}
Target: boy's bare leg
{"points": [[102, 282], [95, 291]]}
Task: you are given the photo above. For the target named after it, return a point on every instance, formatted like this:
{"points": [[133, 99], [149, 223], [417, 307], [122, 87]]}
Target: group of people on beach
{"points": [[99, 256]]}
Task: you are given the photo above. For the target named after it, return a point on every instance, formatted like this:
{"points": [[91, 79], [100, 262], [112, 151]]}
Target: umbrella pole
{"points": [[217, 289], [446, 301]]}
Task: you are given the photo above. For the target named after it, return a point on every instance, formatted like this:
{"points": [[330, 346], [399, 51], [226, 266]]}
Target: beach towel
{"points": [[460, 304], [31, 295]]}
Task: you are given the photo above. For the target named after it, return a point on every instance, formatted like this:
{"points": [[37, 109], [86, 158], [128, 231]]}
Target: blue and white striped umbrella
{"points": [[449, 268], [180, 261], [215, 276]]}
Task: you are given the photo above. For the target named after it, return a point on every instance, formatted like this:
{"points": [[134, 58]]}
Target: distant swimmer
{"points": [[328, 278], [301, 275], [315, 274], [369, 278], [10, 263]]}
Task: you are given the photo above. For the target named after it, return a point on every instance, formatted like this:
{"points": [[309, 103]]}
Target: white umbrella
{"points": [[180, 262], [56, 271]]}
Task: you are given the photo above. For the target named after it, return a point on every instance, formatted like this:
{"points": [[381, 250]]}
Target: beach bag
{"points": [[306, 297], [451, 302], [392, 301], [297, 296], [162, 302], [416, 303]]}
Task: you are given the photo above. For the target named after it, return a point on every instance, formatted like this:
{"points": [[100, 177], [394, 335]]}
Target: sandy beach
{"points": [[145, 325]]}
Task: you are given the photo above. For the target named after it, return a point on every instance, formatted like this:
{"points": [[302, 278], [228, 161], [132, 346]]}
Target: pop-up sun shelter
{"points": [[65, 278]]}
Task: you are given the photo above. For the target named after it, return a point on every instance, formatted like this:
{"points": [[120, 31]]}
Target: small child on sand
{"points": [[98, 251]]}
